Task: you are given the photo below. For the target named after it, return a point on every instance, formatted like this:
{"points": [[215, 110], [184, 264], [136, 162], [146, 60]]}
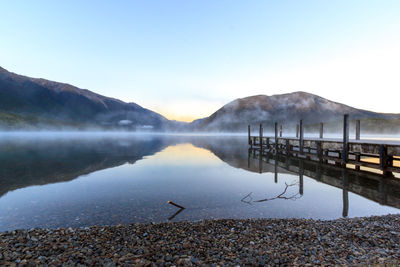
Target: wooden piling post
{"points": [[358, 128], [345, 152], [301, 145], [384, 160], [297, 131], [280, 131], [358, 159], [321, 130]]}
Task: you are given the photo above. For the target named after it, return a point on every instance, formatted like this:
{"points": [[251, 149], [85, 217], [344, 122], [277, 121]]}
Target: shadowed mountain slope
{"points": [[38, 100]]}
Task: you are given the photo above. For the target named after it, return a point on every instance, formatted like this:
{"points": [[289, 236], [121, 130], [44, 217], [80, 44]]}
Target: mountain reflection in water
{"points": [[110, 180]]}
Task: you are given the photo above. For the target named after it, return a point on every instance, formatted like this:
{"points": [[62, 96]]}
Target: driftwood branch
{"points": [[176, 205], [181, 208]]}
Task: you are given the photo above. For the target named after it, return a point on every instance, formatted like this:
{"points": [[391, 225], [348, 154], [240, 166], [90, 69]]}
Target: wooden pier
{"points": [[377, 156]]}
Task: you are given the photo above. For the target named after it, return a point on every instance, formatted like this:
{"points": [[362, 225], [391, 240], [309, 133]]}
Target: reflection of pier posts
{"points": [[321, 130], [318, 172], [382, 192], [276, 169], [345, 182], [276, 137], [248, 158], [261, 141], [287, 163], [267, 158], [260, 163], [249, 134], [301, 177]]}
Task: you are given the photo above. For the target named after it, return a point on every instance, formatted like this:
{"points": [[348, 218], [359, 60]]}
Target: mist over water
{"points": [[62, 179]]}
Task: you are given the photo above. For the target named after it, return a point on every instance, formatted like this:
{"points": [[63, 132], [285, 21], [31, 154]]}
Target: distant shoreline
{"points": [[364, 240]]}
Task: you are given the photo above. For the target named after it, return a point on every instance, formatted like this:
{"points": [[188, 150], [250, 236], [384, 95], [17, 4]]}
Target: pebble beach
{"points": [[225, 242]]}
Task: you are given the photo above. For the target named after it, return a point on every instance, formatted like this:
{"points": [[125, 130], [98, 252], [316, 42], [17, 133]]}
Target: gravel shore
{"points": [[358, 241]]}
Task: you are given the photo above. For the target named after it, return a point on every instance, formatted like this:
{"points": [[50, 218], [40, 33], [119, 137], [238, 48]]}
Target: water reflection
{"points": [[380, 189], [131, 178], [30, 162]]}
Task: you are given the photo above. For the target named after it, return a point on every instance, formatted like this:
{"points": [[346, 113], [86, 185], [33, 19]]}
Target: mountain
{"points": [[38, 103], [285, 109], [31, 101]]}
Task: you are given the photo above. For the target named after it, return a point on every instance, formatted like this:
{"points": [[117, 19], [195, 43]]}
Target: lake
{"points": [[61, 180]]}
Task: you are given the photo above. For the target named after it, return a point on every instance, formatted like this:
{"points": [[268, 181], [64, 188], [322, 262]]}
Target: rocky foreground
{"points": [[359, 241]]}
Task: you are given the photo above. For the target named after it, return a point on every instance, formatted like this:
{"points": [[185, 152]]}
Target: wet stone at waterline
{"points": [[76, 182]]}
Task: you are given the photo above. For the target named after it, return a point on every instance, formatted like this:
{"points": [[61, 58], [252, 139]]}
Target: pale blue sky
{"points": [[185, 59]]}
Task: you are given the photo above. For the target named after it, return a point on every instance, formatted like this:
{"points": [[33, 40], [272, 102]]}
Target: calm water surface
{"points": [[62, 181]]}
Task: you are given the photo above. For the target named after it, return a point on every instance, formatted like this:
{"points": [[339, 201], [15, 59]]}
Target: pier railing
{"points": [[370, 155]]}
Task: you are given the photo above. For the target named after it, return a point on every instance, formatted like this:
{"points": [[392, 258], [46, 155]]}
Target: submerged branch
{"points": [[281, 195], [246, 197]]}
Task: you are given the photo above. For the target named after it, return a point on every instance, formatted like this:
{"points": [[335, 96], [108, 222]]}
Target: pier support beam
{"points": [[297, 131], [358, 159], [345, 152], [280, 131], [321, 130], [385, 160], [301, 145], [358, 128]]}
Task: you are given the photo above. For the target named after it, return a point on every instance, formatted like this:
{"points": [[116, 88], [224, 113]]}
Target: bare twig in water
{"points": [[246, 197], [281, 195], [176, 205]]}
